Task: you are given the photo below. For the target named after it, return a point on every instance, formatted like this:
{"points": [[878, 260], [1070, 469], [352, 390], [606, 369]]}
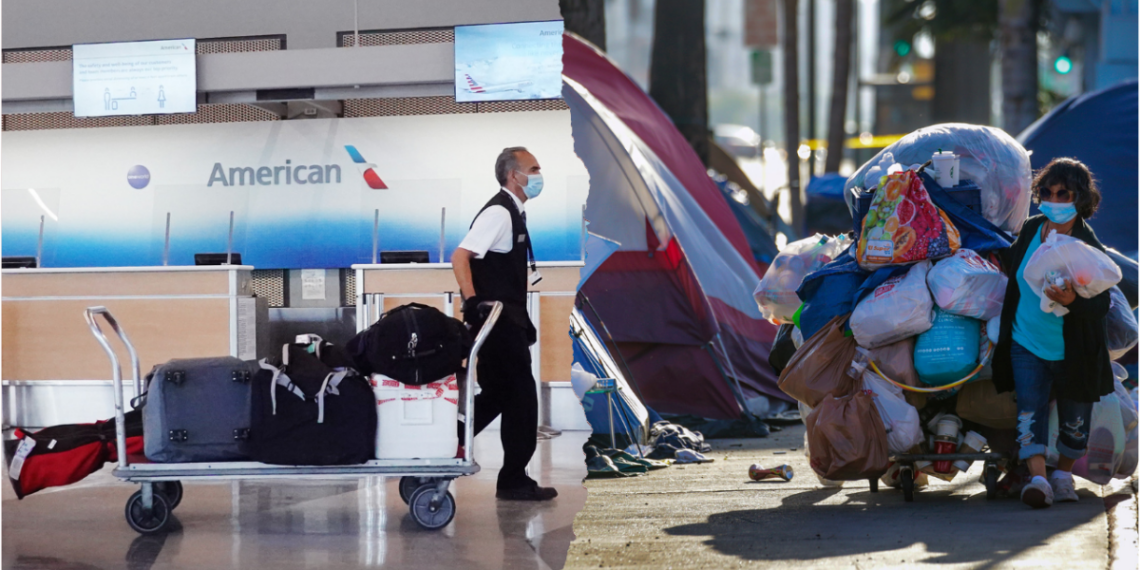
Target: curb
{"points": [[1120, 504]]}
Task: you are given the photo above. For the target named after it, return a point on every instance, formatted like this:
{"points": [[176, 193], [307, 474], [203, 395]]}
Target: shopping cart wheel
{"points": [[907, 479], [991, 478], [874, 485], [144, 521], [172, 490], [428, 515]]}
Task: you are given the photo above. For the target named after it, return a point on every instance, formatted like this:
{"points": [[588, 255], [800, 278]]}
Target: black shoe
{"points": [[532, 493]]}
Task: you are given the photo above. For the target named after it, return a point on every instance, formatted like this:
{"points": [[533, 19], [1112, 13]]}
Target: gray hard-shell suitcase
{"points": [[197, 409]]}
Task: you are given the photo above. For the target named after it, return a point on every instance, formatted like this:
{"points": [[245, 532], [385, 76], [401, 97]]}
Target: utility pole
{"points": [[812, 133]]}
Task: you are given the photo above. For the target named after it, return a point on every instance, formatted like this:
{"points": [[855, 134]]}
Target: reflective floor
{"points": [[304, 524]]}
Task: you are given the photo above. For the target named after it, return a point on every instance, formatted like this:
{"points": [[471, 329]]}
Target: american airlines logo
{"points": [[370, 176], [287, 174]]}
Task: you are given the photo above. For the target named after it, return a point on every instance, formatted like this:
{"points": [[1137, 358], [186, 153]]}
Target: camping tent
{"points": [[1100, 130], [627, 416], [677, 295]]}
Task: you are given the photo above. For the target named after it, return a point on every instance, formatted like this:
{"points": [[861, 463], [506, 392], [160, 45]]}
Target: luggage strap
{"points": [[331, 382], [279, 378]]}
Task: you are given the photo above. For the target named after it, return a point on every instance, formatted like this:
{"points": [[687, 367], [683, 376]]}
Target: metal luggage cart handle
{"points": [[472, 374], [116, 371]]}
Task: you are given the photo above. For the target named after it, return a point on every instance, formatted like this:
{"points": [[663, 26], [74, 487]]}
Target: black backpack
{"points": [[414, 344], [310, 409]]}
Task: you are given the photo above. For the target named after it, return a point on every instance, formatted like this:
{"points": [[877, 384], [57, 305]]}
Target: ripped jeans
{"points": [[1033, 381]]}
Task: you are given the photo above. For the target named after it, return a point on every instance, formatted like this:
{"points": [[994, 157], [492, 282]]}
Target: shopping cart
{"points": [[908, 473], [423, 485]]}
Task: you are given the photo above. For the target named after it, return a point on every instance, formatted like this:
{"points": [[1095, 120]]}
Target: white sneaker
{"points": [[1063, 489], [1037, 493]]}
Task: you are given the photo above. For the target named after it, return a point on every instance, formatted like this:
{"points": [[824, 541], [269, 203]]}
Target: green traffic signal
{"points": [[902, 47], [1063, 65]]}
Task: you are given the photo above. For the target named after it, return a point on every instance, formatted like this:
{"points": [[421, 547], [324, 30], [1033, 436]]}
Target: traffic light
{"points": [[1063, 64], [902, 47]]}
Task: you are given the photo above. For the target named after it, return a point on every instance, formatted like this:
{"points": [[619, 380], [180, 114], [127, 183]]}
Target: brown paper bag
{"points": [[847, 439], [979, 402], [819, 368], [897, 362]]}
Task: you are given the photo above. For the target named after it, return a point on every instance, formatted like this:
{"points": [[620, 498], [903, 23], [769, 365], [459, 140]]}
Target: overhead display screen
{"points": [[508, 62], [134, 78]]}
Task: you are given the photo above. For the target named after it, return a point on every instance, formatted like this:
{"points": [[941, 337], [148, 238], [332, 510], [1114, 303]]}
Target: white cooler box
{"points": [[416, 422]]}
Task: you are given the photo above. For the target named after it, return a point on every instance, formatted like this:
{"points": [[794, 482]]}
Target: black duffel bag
{"points": [[414, 344], [309, 410]]}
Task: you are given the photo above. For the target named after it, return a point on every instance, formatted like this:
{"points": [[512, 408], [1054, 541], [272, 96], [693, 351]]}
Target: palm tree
{"points": [[840, 77], [1014, 23], [677, 71], [587, 18]]}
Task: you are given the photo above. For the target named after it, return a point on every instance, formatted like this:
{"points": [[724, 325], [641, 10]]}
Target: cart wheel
{"points": [[429, 517], [991, 477], [874, 485], [408, 486], [907, 479], [145, 522], [172, 490]]}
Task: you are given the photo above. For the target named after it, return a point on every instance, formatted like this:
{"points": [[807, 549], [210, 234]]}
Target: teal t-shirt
{"points": [[1039, 332]]}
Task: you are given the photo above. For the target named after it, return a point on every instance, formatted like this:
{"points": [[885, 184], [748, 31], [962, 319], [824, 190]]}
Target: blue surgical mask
{"points": [[1058, 213], [533, 185]]}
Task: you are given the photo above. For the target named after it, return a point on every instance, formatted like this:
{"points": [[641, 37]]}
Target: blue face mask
{"points": [[1058, 213], [533, 185]]}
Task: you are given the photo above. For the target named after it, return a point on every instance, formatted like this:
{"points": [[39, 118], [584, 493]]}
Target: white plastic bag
{"points": [[900, 418], [1090, 270], [1122, 332], [993, 329], [899, 308], [1112, 429], [776, 293], [969, 285], [997, 163]]}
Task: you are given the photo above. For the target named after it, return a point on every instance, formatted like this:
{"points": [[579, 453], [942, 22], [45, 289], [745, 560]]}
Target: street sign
{"points": [[761, 27], [761, 67]]}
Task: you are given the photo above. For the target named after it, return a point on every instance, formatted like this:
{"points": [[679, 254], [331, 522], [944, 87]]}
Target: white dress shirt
{"points": [[492, 230]]}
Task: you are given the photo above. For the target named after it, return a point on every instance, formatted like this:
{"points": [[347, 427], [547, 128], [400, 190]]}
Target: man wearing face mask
{"points": [[491, 264]]}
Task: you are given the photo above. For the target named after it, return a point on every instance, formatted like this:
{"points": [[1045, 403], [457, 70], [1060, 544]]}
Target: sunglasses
{"points": [[1047, 194]]}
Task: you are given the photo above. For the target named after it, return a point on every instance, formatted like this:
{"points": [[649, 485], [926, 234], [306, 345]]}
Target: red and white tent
{"points": [[677, 295]]}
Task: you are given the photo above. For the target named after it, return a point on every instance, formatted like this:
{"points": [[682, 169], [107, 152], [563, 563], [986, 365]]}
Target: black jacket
{"points": [[1088, 370]]}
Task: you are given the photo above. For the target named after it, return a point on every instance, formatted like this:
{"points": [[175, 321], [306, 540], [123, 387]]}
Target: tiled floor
{"points": [[303, 524]]}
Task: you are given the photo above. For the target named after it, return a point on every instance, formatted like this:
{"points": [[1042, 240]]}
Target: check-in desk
{"points": [[55, 372], [382, 287]]}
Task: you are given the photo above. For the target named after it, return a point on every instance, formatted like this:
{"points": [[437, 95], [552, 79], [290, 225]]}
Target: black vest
{"points": [[503, 276]]}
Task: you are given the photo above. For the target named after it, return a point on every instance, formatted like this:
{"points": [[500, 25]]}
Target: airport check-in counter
{"points": [[55, 372], [382, 287]]}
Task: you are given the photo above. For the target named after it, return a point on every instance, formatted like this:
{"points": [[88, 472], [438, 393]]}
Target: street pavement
{"points": [[712, 516]]}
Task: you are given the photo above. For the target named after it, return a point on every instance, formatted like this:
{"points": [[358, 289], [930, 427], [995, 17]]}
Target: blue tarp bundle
{"points": [[836, 288], [1100, 130]]}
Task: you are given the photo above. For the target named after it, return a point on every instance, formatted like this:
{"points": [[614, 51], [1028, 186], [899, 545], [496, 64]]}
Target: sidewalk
{"points": [[712, 516]]}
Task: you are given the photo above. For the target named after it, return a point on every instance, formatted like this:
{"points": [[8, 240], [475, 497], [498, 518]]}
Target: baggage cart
{"points": [[423, 485]]}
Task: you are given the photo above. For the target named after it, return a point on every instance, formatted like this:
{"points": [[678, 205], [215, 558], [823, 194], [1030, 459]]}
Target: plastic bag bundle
{"points": [[969, 285], [949, 350], [904, 226], [895, 310], [1065, 257], [997, 163], [1122, 333], [899, 418], [847, 438], [776, 293]]}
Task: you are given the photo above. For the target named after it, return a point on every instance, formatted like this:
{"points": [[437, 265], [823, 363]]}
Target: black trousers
{"points": [[508, 390]]}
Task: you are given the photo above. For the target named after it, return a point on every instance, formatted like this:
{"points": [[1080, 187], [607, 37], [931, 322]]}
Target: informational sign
{"points": [[761, 67], [313, 284], [307, 194], [761, 26], [508, 62], [135, 78]]}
